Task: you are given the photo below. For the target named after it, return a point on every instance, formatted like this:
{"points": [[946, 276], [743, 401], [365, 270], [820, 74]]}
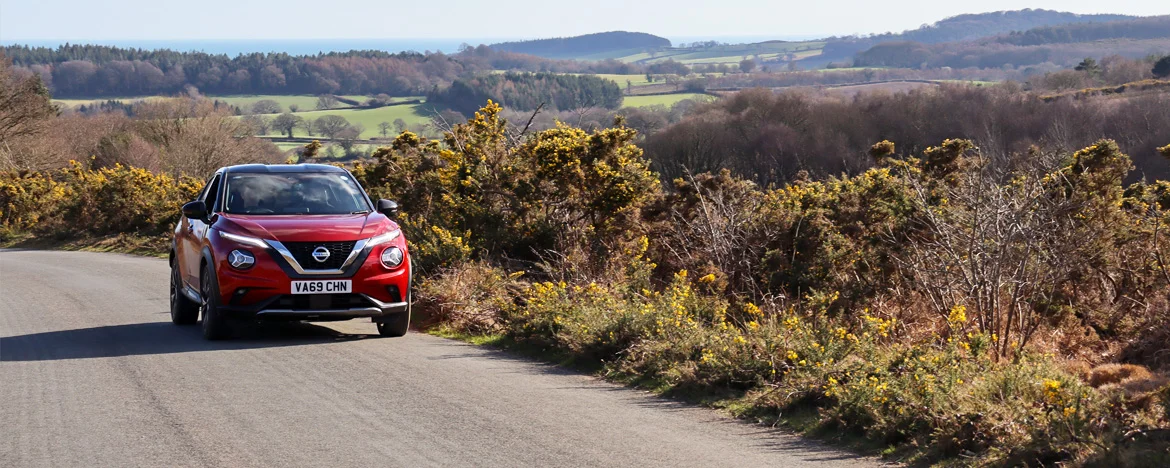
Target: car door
{"points": [[191, 245]]}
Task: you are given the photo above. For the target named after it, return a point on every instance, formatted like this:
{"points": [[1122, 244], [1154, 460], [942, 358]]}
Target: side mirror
{"points": [[195, 210], [388, 207]]}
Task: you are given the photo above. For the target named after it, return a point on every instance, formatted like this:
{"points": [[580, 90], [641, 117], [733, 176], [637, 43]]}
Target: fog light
{"points": [[241, 259], [392, 257]]}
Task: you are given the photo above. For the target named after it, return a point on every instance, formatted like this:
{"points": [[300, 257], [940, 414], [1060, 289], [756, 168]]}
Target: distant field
{"points": [[661, 99], [635, 80], [71, 103], [729, 54], [304, 102], [415, 114], [288, 146]]}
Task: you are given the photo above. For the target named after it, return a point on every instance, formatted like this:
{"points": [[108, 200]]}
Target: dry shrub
{"points": [[1116, 373], [467, 298], [1142, 385], [1081, 369]]}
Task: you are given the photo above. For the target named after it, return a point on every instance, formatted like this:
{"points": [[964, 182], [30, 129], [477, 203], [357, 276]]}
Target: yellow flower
{"points": [[739, 340], [707, 279], [958, 315], [791, 322], [792, 356]]}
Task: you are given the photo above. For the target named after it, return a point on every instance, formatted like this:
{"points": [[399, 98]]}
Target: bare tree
{"points": [[330, 125], [195, 137], [326, 101], [24, 104], [384, 129], [348, 136], [266, 106], [996, 242], [310, 126], [287, 123], [259, 124]]}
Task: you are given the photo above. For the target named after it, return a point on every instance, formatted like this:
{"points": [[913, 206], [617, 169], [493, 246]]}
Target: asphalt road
{"points": [[92, 373]]}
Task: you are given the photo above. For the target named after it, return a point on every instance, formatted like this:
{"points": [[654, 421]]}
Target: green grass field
{"points": [[415, 114], [662, 99], [303, 102], [635, 80]]}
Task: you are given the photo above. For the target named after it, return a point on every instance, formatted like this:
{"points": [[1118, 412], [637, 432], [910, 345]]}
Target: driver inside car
{"points": [[315, 198]]}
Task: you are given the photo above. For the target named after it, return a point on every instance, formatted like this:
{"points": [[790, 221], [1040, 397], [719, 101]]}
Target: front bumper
{"points": [[263, 292], [317, 308]]}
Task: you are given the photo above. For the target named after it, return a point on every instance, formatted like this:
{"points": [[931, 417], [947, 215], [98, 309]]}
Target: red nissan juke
{"points": [[288, 242]]}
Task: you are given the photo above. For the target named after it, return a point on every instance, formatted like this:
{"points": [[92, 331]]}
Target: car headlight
{"points": [[384, 238], [241, 259], [243, 239], [392, 257]]}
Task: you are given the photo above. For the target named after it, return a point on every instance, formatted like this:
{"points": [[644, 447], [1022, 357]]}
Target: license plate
{"points": [[322, 287]]}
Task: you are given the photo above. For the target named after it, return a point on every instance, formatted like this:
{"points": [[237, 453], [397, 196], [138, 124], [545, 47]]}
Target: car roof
{"points": [[281, 168]]}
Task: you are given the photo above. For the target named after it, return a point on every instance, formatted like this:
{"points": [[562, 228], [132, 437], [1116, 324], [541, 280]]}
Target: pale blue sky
{"points": [[313, 19]]}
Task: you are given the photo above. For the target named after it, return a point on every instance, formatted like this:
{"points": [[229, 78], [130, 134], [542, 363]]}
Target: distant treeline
{"points": [[998, 55], [527, 91], [974, 26], [771, 137], [1142, 28], [97, 71], [585, 45], [1063, 45]]}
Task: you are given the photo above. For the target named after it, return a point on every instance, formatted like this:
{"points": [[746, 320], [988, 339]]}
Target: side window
{"points": [[211, 196], [203, 192]]}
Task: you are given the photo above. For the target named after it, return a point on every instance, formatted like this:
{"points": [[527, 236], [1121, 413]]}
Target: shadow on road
{"points": [[778, 439], [158, 338]]}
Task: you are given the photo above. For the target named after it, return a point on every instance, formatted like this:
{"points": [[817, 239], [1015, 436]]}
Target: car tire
{"points": [[395, 325], [184, 311], [215, 325]]}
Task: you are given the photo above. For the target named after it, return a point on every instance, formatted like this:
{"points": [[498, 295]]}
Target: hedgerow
{"points": [[79, 201]]}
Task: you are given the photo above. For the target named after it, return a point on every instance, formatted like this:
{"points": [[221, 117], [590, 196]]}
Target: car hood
{"points": [[310, 228]]}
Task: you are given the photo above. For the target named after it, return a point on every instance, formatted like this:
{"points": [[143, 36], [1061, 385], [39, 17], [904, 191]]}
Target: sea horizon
{"points": [[234, 47]]}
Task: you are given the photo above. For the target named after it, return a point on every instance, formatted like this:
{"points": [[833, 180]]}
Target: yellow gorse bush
{"points": [[77, 200]]}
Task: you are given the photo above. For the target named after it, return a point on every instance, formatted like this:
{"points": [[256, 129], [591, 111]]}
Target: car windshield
{"points": [[294, 193]]}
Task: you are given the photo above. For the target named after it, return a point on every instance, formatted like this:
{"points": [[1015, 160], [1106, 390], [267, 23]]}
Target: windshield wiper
{"points": [[359, 212]]}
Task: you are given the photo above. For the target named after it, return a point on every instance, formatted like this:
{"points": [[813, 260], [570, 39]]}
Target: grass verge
{"points": [[147, 246]]}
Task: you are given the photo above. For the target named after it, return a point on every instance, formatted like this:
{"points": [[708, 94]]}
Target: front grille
{"points": [[303, 252], [321, 301]]}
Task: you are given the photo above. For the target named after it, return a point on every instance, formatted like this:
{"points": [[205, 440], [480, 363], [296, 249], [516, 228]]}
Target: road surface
{"points": [[92, 373]]}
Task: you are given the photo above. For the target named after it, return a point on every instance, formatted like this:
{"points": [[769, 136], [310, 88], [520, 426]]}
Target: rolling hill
{"points": [[974, 26], [964, 28], [604, 45], [1061, 45]]}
